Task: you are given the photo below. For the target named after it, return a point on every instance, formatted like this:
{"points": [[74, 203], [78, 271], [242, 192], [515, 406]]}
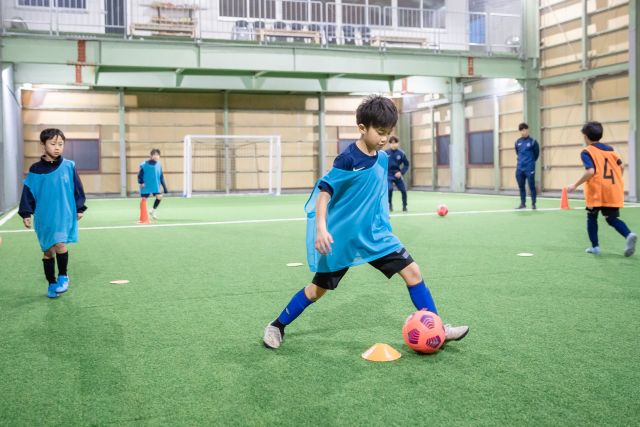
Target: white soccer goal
{"points": [[232, 164]]}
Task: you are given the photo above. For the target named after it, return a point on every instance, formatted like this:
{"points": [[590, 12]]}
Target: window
{"points": [[85, 152], [481, 148], [62, 4], [260, 9], [421, 13], [442, 149], [477, 28]]}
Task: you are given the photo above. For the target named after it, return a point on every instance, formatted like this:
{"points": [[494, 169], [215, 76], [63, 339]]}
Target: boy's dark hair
{"points": [[51, 133], [593, 131], [377, 111], [523, 126], [393, 139], [155, 151]]}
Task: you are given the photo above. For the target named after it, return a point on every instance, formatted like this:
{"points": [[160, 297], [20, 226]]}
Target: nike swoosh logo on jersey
{"points": [[356, 170]]}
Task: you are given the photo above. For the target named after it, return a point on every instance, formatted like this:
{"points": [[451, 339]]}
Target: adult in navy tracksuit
{"points": [[398, 166], [528, 151]]}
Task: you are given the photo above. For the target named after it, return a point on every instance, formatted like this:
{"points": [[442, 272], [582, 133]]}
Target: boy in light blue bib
{"points": [[150, 178], [348, 223], [54, 195]]}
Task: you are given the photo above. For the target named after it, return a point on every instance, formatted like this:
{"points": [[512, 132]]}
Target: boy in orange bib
{"points": [[604, 188]]}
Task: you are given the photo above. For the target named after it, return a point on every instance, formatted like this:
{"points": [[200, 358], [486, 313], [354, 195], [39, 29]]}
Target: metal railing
{"points": [[268, 21]]}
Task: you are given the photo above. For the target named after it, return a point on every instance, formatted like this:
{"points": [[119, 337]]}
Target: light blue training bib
{"points": [[151, 178], [55, 218], [357, 218]]}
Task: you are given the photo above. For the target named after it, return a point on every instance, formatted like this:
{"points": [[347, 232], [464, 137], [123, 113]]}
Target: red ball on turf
{"points": [[423, 331], [443, 210]]}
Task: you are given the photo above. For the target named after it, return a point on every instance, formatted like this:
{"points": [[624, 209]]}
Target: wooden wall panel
{"points": [[480, 177]]}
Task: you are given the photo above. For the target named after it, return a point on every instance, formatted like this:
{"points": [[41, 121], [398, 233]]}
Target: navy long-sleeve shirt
{"points": [[398, 162], [28, 202], [528, 151], [141, 176], [352, 158]]}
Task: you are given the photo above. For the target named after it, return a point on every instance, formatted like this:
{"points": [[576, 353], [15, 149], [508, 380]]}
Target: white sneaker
{"points": [[594, 250], [629, 250], [272, 337], [455, 333], [153, 214]]}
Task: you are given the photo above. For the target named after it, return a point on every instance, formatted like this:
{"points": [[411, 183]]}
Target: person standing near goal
{"points": [[351, 204], [150, 178]]}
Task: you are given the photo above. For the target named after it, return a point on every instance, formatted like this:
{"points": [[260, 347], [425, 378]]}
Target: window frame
{"points": [[55, 5], [484, 133], [438, 141], [71, 143]]}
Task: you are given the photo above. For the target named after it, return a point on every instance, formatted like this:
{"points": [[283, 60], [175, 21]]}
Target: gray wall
{"points": [[11, 145]]}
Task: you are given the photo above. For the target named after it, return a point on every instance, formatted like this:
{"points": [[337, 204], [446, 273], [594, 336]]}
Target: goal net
{"points": [[232, 164]]}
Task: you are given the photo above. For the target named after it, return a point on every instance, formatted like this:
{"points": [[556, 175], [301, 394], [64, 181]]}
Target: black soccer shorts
{"points": [[389, 265]]}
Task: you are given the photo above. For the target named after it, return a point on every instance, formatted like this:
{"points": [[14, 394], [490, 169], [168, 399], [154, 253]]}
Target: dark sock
{"points": [[63, 260], [156, 203], [619, 225], [49, 269], [592, 229], [279, 325]]}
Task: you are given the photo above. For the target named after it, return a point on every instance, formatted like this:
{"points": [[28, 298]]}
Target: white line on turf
{"points": [[8, 216], [262, 221]]}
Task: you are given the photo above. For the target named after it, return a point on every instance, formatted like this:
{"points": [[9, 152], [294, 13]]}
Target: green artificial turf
{"points": [[553, 341]]}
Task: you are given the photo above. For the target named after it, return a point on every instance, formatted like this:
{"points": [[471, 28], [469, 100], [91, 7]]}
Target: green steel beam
{"points": [[122, 131], [108, 77], [322, 136], [584, 22], [530, 29], [532, 118], [634, 98], [497, 173], [434, 157], [3, 162], [585, 74], [457, 148], [236, 57]]}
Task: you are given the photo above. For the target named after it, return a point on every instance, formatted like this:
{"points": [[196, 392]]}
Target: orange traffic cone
{"points": [[381, 353], [564, 200], [144, 215]]}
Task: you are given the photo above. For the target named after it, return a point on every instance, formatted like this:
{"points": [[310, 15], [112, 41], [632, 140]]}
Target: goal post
{"points": [[232, 164]]}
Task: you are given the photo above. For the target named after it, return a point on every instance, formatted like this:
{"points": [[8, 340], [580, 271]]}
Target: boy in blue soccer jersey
{"points": [[348, 223], [398, 166], [150, 177], [54, 195]]}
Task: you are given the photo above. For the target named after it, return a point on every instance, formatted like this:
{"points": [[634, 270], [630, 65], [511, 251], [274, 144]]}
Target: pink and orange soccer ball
{"points": [[443, 210], [423, 331]]}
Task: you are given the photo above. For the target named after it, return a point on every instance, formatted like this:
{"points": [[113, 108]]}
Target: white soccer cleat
{"points": [[455, 333], [153, 215], [594, 250], [630, 249], [272, 337]]}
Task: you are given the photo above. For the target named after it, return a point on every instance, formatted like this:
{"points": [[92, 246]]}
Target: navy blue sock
{"points": [[619, 225], [592, 229], [295, 308], [421, 297]]}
